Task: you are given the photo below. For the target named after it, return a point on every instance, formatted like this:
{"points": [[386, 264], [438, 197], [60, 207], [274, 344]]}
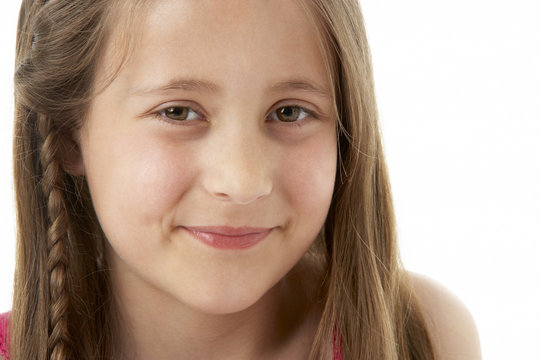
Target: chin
{"points": [[223, 304], [224, 308]]}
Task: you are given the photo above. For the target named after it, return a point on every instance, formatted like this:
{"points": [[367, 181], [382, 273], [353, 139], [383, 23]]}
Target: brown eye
{"points": [[179, 113], [288, 113]]}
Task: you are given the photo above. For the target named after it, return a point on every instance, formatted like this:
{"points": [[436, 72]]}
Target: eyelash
{"points": [[160, 114]]}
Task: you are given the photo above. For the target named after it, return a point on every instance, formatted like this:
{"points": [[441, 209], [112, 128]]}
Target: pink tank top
{"points": [[4, 339]]}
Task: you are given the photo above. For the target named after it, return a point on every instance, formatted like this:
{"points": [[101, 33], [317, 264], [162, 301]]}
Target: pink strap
{"points": [[4, 337], [337, 345]]}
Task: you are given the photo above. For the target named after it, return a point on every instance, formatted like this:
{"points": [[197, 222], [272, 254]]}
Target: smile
{"points": [[228, 238]]}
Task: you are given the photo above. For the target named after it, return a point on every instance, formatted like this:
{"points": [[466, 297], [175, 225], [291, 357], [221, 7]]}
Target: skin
{"points": [[452, 328], [232, 162]]}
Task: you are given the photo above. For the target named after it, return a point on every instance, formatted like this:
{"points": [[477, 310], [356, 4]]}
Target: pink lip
{"points": [[225, 237]]}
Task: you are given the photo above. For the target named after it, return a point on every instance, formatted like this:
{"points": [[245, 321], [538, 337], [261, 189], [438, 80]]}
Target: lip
{"points": [[228, 238]]}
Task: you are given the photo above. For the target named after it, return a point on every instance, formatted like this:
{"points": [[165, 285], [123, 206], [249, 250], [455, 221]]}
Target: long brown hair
{"points": [[62, 307]]}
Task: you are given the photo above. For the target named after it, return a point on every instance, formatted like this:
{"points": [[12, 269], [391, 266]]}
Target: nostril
{"points": [[240, 197], [221, 195]]}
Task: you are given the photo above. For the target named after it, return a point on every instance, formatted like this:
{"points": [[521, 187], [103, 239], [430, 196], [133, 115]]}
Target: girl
{"points": [[205, 180]]}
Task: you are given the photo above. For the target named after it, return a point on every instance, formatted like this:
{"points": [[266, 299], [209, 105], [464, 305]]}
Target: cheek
{"points": [[159, 175], [308, 175], [136, 181]]}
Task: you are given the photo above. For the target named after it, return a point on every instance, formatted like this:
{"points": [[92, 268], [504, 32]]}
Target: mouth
{"points": [[228, 238]]}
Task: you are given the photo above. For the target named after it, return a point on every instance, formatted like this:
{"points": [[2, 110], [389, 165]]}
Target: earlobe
{"points": [[72, 161]]}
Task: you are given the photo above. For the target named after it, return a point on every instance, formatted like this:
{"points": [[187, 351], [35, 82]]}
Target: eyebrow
{"points": [[196, 85], [302, 85]]}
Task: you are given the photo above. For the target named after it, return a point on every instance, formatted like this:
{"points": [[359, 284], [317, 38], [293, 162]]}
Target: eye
{"points": [[290, 114], [179, 113]]}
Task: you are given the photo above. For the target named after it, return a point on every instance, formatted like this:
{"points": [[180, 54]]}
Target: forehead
{"points": [[252, 42]]}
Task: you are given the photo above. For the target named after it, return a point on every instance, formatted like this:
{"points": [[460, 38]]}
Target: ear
{"points": [[72, 161]]}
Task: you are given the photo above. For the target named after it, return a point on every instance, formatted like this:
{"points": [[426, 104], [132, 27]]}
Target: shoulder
{"points": [[450, 324]]}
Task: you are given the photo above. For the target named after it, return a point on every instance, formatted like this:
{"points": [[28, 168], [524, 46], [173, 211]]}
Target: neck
{"points": [[155, 326]]}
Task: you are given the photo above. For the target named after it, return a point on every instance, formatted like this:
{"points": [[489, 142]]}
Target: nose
{"points": [[239, 168]]}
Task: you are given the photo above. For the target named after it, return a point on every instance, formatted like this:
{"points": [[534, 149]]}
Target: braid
{"points": [[57, 259], [62, 298]]}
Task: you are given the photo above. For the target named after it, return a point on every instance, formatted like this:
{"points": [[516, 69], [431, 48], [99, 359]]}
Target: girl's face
{"points": [[220, 124]]}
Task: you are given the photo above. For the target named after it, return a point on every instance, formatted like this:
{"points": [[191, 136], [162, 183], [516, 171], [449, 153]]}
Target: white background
{"points": [[458, 85]]}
